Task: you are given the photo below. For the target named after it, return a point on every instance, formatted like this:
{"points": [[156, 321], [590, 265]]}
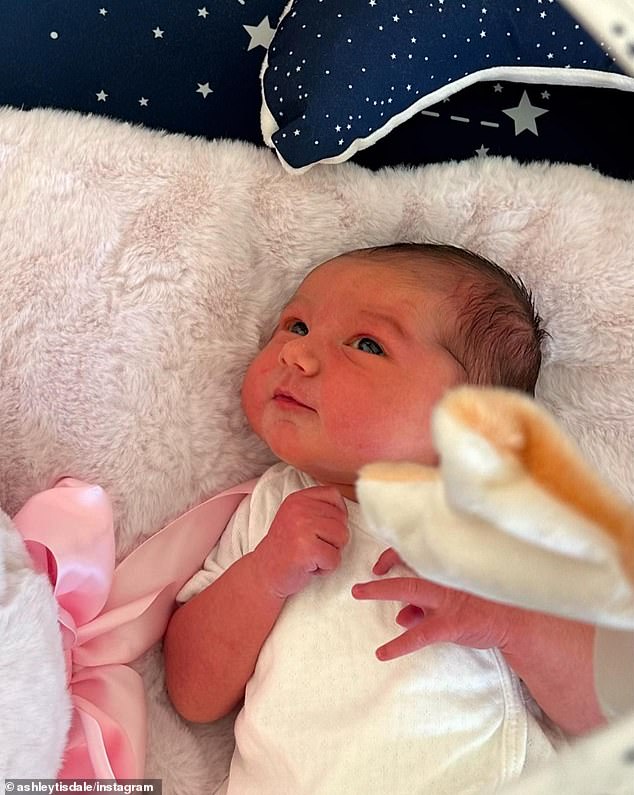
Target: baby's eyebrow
{"points": [[388, 320], [294, 299]]}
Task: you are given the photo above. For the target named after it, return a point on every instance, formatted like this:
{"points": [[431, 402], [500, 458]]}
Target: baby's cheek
{"points": [[253, 390], [361, 430], [377, 434]]}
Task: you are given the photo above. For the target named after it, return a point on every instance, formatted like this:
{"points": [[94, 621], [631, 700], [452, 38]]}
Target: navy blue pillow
{"points": [[339, 77], [191, 66]]}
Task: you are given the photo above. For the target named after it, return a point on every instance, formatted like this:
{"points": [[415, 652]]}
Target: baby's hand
{"points": [[434, 613], [306, 537]]}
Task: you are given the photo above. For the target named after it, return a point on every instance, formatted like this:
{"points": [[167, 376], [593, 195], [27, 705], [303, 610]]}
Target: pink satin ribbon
{"points": [[108, 616]]}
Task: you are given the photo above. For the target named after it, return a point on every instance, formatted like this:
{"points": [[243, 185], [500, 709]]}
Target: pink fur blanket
{"points": [[140, 271]]}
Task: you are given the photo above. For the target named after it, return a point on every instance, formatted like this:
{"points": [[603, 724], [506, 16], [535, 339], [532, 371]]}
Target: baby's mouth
{"points": [[283, 397]]}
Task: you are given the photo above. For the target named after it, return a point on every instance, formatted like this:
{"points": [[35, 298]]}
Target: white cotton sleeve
{"points": [[614, 671], [231, 546]]}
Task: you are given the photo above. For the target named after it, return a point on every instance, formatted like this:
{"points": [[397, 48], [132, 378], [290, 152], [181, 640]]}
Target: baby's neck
{"points": [[347, 490]]}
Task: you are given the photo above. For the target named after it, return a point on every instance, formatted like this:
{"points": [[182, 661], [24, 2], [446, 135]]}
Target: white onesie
{"points": [[322, 716]]}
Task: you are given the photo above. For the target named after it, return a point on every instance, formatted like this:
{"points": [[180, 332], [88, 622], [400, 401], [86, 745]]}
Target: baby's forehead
{"points": [[375, 290], [368, 277]]}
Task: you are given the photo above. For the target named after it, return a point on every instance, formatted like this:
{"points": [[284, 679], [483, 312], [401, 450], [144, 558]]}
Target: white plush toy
{"points": [[32, 657]]}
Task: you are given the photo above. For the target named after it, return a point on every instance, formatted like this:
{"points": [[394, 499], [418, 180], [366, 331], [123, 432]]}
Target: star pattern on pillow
{"points": [[190, 66], [339, 77]]}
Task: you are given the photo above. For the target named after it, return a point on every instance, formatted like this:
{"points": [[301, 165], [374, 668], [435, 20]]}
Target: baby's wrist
{"points": [[264, 573]]}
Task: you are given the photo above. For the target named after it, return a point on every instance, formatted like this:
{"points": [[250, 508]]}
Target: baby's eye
{"points": [[298, 327], [368, 345]]}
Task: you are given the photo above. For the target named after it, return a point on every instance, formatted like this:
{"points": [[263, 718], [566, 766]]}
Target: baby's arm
{"points": [[213, 642]]}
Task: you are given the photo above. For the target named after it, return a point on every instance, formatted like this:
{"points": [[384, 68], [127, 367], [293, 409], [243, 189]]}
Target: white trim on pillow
{"points": [[519, 74]]}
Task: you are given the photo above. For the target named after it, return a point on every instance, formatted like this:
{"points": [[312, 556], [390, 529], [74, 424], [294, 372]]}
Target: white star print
{"points": [[158, 33], [497, 88], [143, 102], [261, 34], [545, 94], [483, 151], [101, 96], [103, 11], [295, 132], [524, 115], [372, 2], [202, 12], [203, 88]]}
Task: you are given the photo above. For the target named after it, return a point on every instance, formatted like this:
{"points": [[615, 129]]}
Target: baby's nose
{"points": [[300, 354]]}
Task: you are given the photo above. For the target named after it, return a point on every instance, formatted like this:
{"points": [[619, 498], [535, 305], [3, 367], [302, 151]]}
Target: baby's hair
{"points": [[498, 334]]}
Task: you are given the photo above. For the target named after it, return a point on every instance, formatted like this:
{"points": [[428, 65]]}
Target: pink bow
{"points": [[109, 616]]}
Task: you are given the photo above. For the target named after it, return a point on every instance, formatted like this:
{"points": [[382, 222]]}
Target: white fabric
{"points": [[606, 21], [27, 601], [323, 715], [601, 764], [614, 671]]}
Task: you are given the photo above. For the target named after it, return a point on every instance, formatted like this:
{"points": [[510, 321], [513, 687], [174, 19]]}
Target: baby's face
{"points": [[352, 372]]}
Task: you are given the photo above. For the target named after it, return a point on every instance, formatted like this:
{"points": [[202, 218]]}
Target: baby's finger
{"points": [[410, 616], [387, 559], [334, 532], [326, 558], [410, 641], [412, 590], [328, 495], [426, 632]]}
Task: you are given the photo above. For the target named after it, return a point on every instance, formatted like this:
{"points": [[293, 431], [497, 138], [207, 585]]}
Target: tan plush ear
{"points": [[401, 471], [523, 433]]}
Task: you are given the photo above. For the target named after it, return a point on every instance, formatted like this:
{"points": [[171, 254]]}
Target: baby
{"points": [[368, 344]]}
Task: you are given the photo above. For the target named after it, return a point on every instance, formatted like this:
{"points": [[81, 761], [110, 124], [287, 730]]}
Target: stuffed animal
{"points": [[32, 730], [514, 513], [512, 487]]}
